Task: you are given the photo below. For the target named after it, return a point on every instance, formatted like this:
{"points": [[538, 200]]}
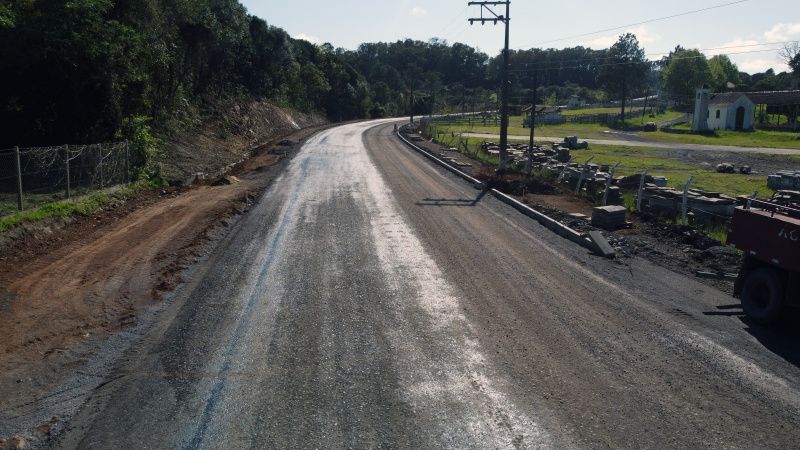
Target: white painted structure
{"points": [[728, 111]]}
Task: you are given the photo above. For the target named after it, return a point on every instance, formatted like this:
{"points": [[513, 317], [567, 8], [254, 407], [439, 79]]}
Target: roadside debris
{"points": [[784, 179]]}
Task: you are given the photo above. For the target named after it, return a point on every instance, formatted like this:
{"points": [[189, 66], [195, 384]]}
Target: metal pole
{"points": [[66, 170], [128, 163], [100, 164], [641, 192], [684, 207], [19, 179]]}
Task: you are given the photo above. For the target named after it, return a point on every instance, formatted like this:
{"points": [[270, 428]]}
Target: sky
{"points": [[750, 31]]}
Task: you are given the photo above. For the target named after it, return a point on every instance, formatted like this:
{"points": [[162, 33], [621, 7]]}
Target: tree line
{"points": [[74, 71]]}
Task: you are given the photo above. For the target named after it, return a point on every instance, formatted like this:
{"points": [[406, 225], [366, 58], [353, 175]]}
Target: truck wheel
{"points": [[762, 295]]}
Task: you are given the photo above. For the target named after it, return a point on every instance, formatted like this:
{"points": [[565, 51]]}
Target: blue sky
{"points": [[347, 23]]}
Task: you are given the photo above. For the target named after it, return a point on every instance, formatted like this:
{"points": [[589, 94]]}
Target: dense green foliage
{"points": [[75, 70], [78, 71]]}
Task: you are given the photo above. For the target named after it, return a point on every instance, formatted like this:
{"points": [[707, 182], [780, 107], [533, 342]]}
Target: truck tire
{"points": [[762, 295]]}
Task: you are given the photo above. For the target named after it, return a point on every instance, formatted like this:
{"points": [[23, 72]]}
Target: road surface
{"points": [[636, 141], [371, 299]]}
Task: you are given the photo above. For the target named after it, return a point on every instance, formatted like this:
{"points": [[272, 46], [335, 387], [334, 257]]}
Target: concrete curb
{"points": [[547, 221]]}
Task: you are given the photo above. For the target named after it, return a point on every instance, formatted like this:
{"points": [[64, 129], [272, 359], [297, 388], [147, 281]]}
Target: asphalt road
{"points": [[371, 299], [626, 139]]}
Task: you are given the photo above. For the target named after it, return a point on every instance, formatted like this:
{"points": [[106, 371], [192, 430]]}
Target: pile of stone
{"points": [[704, 206], [609, 217], [784, 180]]}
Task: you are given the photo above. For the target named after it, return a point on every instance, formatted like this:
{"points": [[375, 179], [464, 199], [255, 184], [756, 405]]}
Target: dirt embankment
{"points": [[66, 288], [229, 136]]}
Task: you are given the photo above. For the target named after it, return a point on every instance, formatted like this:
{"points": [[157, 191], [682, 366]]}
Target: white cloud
{"points": [[306, 37], [758, 65], [783, 32], [417, 11], [753, 55], [642, 33]]}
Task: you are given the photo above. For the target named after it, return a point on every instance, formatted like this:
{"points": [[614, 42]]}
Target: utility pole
{"points": [[533, 110], [412, 104], [505, 19]]}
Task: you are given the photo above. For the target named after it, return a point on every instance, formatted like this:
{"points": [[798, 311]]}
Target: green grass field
{"points": [[758, 138], [635, 160]]}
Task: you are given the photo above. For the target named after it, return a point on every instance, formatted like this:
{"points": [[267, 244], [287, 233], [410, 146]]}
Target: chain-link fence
{"points": [[30, 177]]}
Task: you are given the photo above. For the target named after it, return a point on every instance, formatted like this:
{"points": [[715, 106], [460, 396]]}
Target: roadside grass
{"points": [[717, 232], [79, 206], [8, 200]]}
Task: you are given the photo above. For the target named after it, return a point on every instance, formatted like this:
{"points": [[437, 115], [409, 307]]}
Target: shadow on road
{"points": [[781, 338], [453, 202]]}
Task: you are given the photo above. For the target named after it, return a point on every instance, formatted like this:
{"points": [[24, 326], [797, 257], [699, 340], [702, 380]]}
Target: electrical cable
{"points": [[658, 19]]}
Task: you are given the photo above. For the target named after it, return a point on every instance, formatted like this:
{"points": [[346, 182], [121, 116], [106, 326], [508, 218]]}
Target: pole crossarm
{"points": [[486, 6]]}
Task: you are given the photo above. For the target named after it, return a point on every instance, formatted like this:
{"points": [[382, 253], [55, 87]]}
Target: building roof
{"points": [[543, 109], [775, 97], [727, 98]]}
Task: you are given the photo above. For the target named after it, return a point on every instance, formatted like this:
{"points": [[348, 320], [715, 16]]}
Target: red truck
{"points": [[768, 232]]}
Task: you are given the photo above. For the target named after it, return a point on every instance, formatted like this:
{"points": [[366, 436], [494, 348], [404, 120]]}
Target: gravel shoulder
{"points": [[70, 291]]}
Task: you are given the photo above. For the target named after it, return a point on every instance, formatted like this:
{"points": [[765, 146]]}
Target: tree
{"points": [[723, 71], [791, 54], [625, 69], [687, 71]]}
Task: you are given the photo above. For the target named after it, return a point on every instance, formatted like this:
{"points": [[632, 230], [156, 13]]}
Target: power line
{"points": [[602, 56], [673, 16], [539, 69]]}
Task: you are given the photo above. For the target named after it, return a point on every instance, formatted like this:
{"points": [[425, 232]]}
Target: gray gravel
{"points": [[349, 309]]}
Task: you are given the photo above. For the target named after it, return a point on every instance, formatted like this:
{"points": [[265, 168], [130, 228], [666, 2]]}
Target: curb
{"points": [[547, 221]]}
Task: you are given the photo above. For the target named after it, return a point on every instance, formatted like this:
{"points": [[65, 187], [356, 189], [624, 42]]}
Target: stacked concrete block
{"points": [[609, 217]]}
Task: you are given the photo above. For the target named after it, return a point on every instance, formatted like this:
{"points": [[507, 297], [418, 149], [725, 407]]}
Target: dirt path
{"points": [[61, 299]]}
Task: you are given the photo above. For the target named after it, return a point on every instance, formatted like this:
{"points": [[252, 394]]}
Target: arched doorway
{"points": [[740, 118]]}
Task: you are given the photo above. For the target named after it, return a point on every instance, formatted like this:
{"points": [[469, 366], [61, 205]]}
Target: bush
{"points": [[146, 151]]}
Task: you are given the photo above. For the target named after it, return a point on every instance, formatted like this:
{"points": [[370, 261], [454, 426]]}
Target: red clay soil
{"points": [[90, 279]]}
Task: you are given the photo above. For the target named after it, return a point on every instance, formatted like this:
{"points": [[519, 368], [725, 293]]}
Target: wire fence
{"points": [[30, 177]]}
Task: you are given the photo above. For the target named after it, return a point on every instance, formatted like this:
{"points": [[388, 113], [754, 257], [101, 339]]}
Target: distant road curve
{"points": [[640, 142]]}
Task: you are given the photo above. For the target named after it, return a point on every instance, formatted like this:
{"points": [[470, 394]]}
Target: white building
{"points": [[728, 111]]}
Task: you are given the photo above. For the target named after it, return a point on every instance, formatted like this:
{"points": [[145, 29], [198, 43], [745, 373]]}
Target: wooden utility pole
{"points": [[506, 20], [533, 111]]}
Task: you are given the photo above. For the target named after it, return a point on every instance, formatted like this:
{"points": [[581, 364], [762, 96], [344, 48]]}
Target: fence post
{"points": [[100, 164], [19, 178], [684, 207], [641, 192], [608, 183], [584, 169], [128, 164], [66, 169]]}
